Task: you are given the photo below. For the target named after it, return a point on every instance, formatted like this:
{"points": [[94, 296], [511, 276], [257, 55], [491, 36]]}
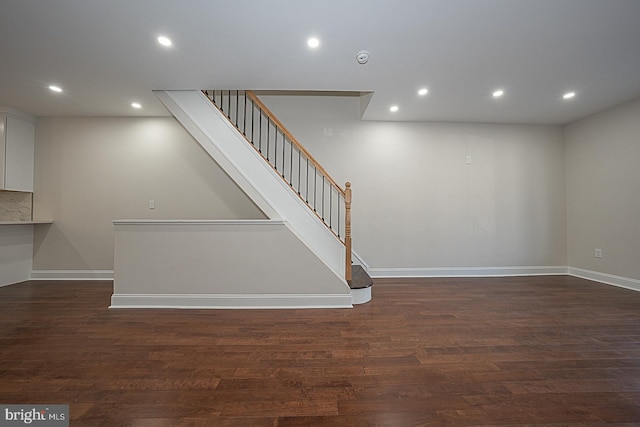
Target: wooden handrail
{"points": [[293, 140], [347, 232]]}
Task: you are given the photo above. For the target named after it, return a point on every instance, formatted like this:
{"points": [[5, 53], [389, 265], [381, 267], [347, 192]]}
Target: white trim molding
{"points": [[361, 296], [468, 271], [358, 260], [219, 222], [609, 279], [230, 301], [71, 275]]}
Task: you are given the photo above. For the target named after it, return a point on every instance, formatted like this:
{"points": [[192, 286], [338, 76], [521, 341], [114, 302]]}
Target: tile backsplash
{"points": [[15, 206]]}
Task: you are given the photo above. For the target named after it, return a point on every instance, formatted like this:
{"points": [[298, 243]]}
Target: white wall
{"points": [[418, 205], [90, 171], [603, 191]]}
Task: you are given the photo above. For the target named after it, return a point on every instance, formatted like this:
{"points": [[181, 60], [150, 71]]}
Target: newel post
{"points": [[347, 231]]}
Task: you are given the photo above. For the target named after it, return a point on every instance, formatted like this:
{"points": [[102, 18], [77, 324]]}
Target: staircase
{"points": [[324, 222]]}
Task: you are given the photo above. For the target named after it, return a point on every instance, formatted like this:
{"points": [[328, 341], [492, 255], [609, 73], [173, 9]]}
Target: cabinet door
{"points": [[19, 147]]}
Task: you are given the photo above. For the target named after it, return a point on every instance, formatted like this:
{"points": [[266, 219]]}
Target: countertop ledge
{"points": [[42, 221]]}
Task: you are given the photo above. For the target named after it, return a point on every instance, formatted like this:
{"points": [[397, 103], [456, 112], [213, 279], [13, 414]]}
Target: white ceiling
{"points": [[104, 54]]}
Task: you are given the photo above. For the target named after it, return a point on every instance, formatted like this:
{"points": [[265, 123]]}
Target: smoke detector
{"points": [[362, 57]]}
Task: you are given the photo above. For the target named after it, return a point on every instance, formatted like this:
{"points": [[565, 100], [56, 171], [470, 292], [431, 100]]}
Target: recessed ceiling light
{"points": [[136, 105], [568, 95], [165, 41], [55, 88], [498, 93], [313, 42], [423, 91], [393, 108]]}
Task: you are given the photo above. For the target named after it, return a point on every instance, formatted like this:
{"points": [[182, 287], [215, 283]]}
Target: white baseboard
{"points": [[72, 275], [609, 279], [467, 271], [230, 301]]}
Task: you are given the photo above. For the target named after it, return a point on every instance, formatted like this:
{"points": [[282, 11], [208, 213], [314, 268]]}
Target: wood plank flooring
{"points": [[424, 352]]}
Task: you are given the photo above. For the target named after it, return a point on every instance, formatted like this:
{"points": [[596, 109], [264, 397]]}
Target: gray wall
{"points": [[90, 171], [603, 191], [418, 204]]}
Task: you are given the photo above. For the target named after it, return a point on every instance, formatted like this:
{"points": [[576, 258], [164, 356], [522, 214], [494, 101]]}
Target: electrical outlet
{"points": [[598, 253], [152, 204]]}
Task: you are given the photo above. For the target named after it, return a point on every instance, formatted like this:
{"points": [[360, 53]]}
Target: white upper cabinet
{"points": [[17, 137]]}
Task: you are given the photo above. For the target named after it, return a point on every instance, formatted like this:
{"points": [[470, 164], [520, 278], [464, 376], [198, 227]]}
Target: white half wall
{"points": [[219, 264], [16, 253], [255, 176]]}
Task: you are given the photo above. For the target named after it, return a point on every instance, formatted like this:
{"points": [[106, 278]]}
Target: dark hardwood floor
{"points": [[425, 352]]}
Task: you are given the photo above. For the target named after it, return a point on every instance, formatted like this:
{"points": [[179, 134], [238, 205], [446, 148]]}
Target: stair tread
{"points": [[359, 278]]}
